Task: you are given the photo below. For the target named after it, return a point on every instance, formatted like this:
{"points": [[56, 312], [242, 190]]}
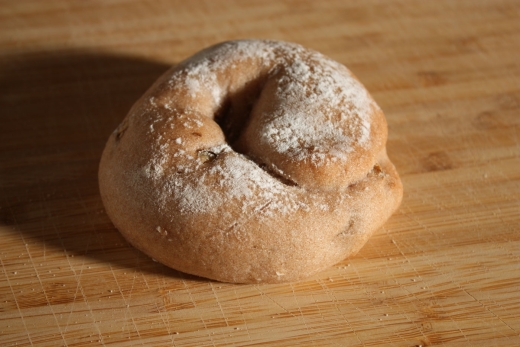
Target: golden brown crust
{"points": [[293, 178]]}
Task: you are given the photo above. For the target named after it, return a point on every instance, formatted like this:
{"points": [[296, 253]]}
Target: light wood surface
{"points": [[444, 271]]}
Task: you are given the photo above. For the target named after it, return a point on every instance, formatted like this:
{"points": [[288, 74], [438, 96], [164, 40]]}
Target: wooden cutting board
{"points": [[444, 271]]}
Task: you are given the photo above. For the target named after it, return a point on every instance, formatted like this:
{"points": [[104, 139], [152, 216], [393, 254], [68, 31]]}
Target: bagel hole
{"points": [[233, 116], [234, 112]]}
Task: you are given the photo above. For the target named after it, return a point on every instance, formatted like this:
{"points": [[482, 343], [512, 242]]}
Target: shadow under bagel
{"points": [[58, 110]]}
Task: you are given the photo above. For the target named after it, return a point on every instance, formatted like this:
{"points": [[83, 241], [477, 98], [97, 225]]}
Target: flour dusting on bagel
{"points": [[259, 161]]}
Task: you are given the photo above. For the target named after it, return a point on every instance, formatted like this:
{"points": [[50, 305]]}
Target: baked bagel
{"points": [[251, 161]]}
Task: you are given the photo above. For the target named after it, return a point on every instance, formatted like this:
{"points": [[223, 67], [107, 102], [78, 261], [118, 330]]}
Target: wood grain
{"points": [[444, 271]]}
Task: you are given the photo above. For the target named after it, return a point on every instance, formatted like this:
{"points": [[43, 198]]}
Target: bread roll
{"points": [[251, 161]]}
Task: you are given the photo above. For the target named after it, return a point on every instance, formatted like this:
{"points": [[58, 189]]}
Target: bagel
{"points": [[251, 161]]}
